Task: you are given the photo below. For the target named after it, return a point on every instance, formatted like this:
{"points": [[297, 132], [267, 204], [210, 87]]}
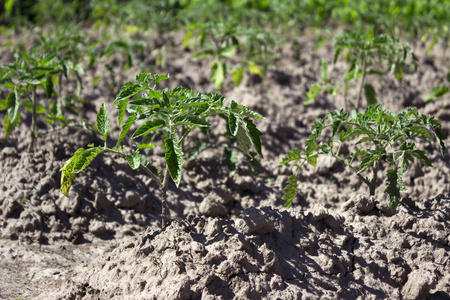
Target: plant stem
{"points": [[358, 101], [33, 123], [365, 180], [164, 187], [373, 182]]}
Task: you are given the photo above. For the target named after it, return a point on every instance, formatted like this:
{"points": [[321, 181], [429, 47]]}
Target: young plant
{"points": [[23, 78], [364, 53], [378, 136], [234, 50], [438, 91], [174, 114]]}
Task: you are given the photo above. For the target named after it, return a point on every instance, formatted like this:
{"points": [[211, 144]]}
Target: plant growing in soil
{"points": [[24, 78], [364, 53], [222, 41], [378, 136], [173, 113]]}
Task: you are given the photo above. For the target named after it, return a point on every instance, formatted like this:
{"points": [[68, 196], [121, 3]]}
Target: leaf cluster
{"points": [[174, 113], [235, 50], [364, 53], [377, 136]]}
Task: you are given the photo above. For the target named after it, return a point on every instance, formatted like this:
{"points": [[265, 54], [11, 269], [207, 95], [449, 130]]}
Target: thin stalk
{"points": [[33, 123], [59, 106], [358, 101], [373, 182], [164, 187]]}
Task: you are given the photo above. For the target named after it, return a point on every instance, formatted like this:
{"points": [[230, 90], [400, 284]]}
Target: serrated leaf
{"points": [[311, 95], [217, 74], [148, 127], [194, 101], [227, 51], [370, 94], [290, 190], [324, 71], [67, 174], [243, 140], [126, 126], [238, 76], [255, 69], [8, 102], [134, 160], [437, 92], [14, 104], [191, 121], [230, 159], [174, 159], [29, 106], [103, 121], [254, 134], [149, 102], [394, 180], [290, 156], [233, 123], [122, 106], [160, 77], [10, 125], [421, 155], [29, 80], [145, 146], [86, 158], [48, 86]]}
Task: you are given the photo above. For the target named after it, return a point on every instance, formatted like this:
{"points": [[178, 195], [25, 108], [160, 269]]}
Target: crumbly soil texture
{"points": [[230, 236]]}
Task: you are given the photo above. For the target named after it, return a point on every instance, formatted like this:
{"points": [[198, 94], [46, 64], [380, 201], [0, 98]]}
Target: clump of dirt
{"points": [[359, 252]]}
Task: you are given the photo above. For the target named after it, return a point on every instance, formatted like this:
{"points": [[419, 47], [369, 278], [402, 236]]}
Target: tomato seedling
{"points": [[173, 113], [378, 136], [364, 53]]}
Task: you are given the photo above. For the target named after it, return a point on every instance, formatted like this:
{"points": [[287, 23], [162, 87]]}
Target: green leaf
{"points": [[160, 77], [67, 174], [394, 180], [145, 146], [126, 126], [254, 134], [29, 106], [85, 159], [290, 190], [243, 141], [122, 106], [134, 160], [312, 93], [48, 86], [295, 154], [238, 76], [324, 71], [230, 158], [191, 121], [10, 125], [13, 110], [148, 127], [227, 51], [370, 94], [29, 80], [255, 69], [233, 123], [437, 92], [150, 102], [217, 74], [174, 159], [8, 102], [103, 121]]}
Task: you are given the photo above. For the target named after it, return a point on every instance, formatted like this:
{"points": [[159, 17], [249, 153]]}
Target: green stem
{"points": [[33, 123], [358, 101], [365, 180], [373, 182]]}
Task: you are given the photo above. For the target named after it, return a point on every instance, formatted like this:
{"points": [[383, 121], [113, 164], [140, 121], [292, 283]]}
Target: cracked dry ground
{"points": [[237, 242]]}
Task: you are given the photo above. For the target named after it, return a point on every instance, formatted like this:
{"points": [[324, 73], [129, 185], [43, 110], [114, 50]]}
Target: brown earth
{"points": [[231, 238]]}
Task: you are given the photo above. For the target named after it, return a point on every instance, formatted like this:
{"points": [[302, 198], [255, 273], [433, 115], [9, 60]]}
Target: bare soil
{"points": [[231, 237]]}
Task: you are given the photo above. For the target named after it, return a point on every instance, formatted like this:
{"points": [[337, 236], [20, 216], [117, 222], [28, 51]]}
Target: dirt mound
{"points": [[358, 253]]}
